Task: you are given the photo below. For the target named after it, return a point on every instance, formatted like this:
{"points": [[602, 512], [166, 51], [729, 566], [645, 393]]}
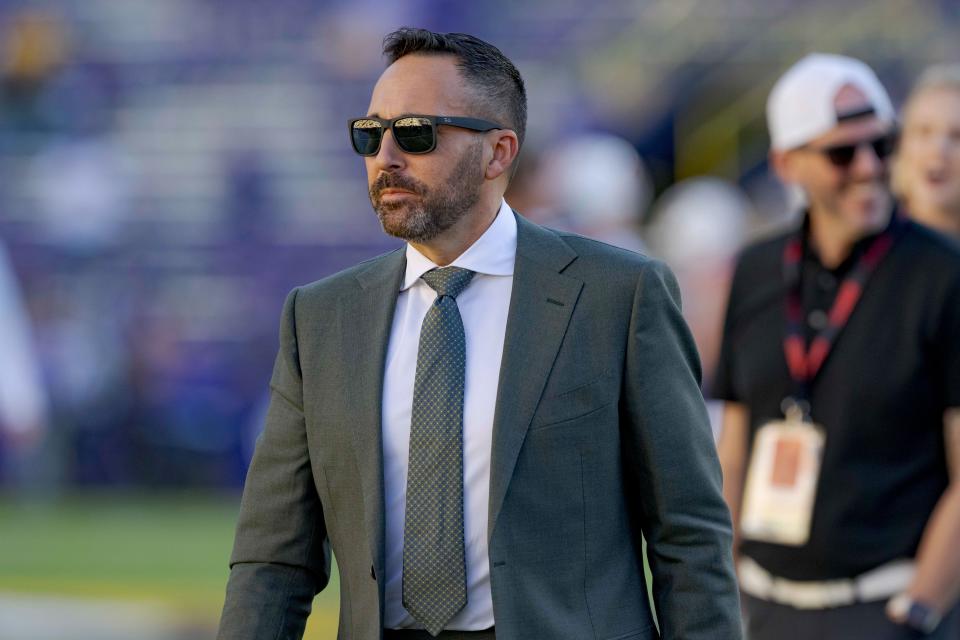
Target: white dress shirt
{"points": [[483, 306]]}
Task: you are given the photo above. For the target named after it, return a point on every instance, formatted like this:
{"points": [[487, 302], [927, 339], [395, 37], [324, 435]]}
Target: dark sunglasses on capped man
{"points": [[842, 155], [412, 133]]}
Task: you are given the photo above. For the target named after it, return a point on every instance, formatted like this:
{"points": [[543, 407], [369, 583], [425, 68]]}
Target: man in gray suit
{"points": [[484, 424]]}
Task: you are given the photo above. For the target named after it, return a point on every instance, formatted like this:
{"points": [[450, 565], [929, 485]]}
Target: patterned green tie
{"points": [[434, 569]]}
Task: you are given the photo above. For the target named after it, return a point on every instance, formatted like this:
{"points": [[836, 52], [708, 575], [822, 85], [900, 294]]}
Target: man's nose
{"points": [[866, 162], [389, 157]]}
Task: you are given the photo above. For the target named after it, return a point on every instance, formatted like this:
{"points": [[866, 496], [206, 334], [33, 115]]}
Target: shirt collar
{"points": [[494, 253], [811, 257]]}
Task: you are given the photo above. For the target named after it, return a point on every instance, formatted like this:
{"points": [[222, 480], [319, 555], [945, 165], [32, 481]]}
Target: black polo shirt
{"points": [[880, 395]]}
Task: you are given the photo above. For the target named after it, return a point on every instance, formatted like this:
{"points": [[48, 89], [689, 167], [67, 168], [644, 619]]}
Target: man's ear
{"points": [[783, 164], [504, 154]]}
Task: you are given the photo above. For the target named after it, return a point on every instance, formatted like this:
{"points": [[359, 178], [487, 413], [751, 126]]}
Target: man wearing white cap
{"points": [[840, 372]]}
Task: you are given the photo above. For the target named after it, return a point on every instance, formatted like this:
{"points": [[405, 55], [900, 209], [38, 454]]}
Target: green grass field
{"points": [[169, 549]]}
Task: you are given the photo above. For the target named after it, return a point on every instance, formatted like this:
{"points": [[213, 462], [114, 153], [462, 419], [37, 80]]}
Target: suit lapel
{"points": [[541, 304], [366, 322]]}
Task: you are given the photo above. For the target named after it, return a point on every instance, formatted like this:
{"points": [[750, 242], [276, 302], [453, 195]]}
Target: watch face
{"points": [[922, 617], [913, 614]]}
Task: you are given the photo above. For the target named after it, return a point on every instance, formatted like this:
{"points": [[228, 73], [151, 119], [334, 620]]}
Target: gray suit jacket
{"points": [[600, 435]]}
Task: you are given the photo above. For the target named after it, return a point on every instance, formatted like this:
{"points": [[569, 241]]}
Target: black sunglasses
{"points": [[413, 133], [841, 156]]}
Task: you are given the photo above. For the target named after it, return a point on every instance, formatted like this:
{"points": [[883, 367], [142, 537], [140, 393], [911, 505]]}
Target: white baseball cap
{"points": [[801, 104]]}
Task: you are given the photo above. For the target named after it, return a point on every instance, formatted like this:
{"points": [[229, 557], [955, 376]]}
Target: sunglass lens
{"points": [[414, 135], [885, 145], [841, 156], [365, 135]]}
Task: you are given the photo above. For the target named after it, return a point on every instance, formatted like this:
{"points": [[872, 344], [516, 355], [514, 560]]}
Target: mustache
{"points": [[395, 181], [882, 182]]}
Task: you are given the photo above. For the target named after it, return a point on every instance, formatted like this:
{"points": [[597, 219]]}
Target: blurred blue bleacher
{"points": [[169, 170]]}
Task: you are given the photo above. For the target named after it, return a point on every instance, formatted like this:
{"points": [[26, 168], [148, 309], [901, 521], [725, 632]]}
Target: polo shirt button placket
{"points": [[817, 319], [826, 281]]}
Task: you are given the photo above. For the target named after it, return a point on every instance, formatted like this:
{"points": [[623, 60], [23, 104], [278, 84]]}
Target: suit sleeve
{"points": [[281, 555], [673, 472]]}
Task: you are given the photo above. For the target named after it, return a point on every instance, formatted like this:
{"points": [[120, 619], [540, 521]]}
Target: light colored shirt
{"points": [[483, 306], [23, 399]]}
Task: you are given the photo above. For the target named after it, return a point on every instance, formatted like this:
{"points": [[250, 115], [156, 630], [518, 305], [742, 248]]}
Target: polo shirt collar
{"points": [[811, 257]]}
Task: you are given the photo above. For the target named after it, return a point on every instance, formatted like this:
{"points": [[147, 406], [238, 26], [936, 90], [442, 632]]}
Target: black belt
{"points": [[420, 634]]}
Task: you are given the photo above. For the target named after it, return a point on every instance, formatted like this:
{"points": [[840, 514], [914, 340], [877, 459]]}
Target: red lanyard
{"points": [[804, 363]]}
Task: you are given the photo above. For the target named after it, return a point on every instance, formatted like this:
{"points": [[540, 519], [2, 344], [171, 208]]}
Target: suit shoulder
{"points": [[345, 280], [615, 271], [603, 254]]}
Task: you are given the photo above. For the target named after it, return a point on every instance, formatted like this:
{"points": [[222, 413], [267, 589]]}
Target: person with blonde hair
{"points": [[927, 169]]}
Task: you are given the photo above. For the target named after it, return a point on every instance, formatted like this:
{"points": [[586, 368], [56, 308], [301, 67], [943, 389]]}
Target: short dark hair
{"points": [[482, 65]]}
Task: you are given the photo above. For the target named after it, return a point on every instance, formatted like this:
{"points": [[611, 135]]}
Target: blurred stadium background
{"points": [[169, 169]]}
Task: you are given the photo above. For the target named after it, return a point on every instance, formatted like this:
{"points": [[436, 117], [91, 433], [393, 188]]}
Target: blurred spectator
{"points": [[86, 354], [697, 226], [927, 171], [33, 47], [249, 196], [527, 193], [597, 185], [840, 368], [82, 187], [23, 399]]}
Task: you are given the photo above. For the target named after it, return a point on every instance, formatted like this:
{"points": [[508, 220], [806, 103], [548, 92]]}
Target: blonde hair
{"points": [[936, 77], [939, 76]]}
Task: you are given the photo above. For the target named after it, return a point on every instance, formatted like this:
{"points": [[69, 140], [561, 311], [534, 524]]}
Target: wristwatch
{"points": [[911, 613]]}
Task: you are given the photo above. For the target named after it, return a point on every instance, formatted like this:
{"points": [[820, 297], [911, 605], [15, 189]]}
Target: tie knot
{"points": [[449, 281]]}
